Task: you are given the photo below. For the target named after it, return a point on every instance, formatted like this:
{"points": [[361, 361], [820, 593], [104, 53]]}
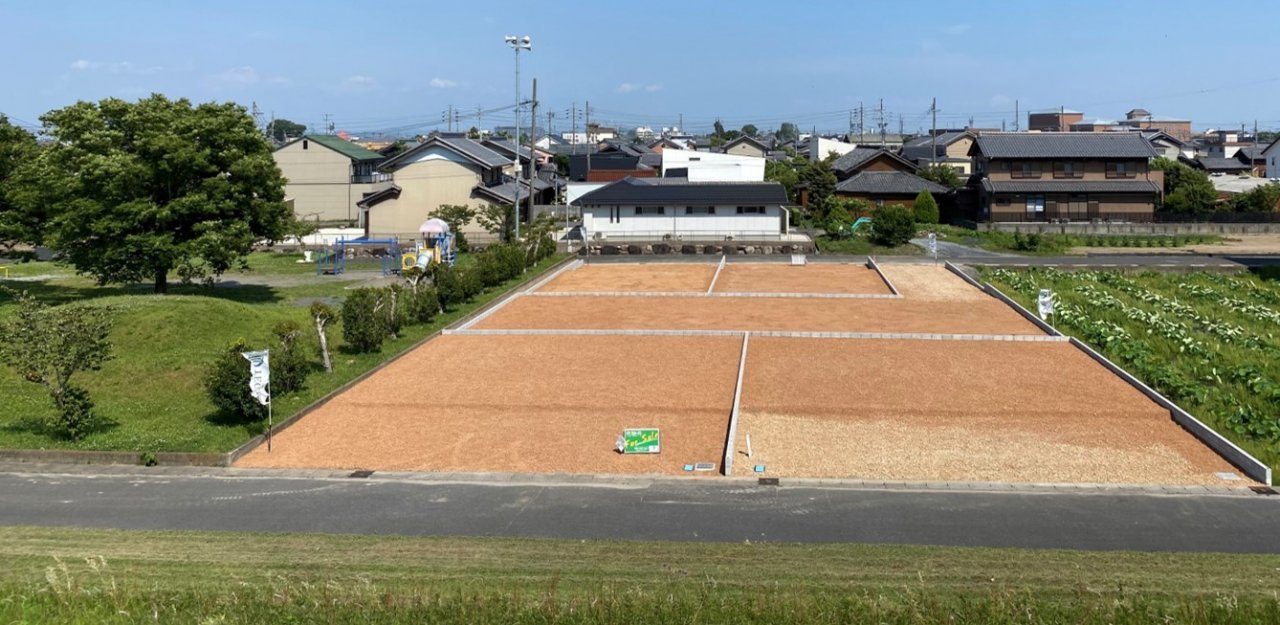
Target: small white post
{"points": [[748, 445]]}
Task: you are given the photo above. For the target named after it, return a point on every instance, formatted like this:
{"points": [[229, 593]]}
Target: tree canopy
{"points": [[788, 132], [16, 147], [1186, 190], [941, 174], [136, 190], [283, 130], [750, 130]]}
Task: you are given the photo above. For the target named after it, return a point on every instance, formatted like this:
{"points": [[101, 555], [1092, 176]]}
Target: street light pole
{"points": [[518, 44]]}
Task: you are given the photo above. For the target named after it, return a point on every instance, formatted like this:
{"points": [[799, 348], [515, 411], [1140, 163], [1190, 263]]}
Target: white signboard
{"points": [[1045, 303], [798, 259]]}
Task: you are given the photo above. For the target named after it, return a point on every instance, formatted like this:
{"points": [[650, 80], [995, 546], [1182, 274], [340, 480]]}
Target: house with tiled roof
{"points": [[947, 148], [880, 177], [744, 145], [326, 175], [674, 209], [1075, 176], [444, 170]]}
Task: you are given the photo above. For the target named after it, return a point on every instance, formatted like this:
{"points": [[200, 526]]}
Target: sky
{"points": [[395, 67]]}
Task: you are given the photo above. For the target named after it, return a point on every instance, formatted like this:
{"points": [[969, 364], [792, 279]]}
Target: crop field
{"points": [[1207, 341]]}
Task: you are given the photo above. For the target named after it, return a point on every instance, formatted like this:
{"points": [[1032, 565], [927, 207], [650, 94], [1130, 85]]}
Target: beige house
{"points": [[326, 176], [948, 148], [436, 172], [746, 146]]}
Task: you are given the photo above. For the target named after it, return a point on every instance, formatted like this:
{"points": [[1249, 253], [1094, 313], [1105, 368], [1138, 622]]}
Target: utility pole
{"points": [[573, 120], [861, 127], [550, 116], [328, 123], [533, 134], [899, 126], [933, 132], [880, 121], [850, 135], [588, 133], [257, 116], [681, 123], [1016, 118], [479, 119], [1062, 118]]}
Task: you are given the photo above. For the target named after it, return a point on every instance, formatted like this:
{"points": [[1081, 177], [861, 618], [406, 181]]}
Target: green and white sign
{"points": [[640, 441]]}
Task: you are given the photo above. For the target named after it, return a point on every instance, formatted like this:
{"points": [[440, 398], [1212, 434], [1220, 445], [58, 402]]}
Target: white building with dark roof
{"points": [[675, 209]]}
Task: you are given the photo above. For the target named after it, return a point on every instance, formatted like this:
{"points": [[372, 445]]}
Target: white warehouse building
{"points": [[711, 166], [680, 209]]}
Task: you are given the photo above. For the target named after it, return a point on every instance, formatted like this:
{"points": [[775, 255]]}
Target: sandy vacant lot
{"points": [[635, 277], [930, 283], [960, 411], [810, 278], [986, 316], [524, 404]]}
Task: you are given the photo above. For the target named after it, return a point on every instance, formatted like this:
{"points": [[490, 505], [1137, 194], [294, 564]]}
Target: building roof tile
{"points": [[889, 182], [1063, 145]]}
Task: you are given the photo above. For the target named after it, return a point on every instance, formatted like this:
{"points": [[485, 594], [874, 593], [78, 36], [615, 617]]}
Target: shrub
{"points": [[423, 304], [926, 208], [227, 383], [148, 459], [362, 327], [470, 284], [395, 309], [448, 286], [892, 225], [289, 364], [838, 222]]}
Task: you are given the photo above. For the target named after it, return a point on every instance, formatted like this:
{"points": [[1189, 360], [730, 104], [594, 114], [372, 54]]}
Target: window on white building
{"points": [[650, 210], [750, 210], [699, 210]]}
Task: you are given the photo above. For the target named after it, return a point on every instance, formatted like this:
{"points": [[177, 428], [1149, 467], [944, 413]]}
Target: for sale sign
{"points": [[640, 441]]}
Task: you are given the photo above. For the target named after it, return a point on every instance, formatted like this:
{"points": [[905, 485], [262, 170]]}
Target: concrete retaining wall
{"points": [[1131, 228], [1240, 458], [953, 268], [732, 438], [873, 265], [74, 456]]}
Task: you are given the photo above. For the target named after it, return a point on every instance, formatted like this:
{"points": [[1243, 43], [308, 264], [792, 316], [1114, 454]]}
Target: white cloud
{"points": [[113, 67], [631, 87], [442, 83], [956, 29], [244, 75], [357, 84]]}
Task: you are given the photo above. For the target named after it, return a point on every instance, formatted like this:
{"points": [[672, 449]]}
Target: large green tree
{"points": [[941, 174], [284, 130], [16, 147], [788, 132], [1186, 190], [137, 190], [821, 180]]}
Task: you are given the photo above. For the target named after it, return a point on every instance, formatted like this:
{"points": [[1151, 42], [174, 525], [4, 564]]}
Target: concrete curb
{"points": [[76, 456], [953, 268], [731, 440], [1029, 338], [730, 294], [872, 264], [994, 292], [1240, 458], [719, 267]]}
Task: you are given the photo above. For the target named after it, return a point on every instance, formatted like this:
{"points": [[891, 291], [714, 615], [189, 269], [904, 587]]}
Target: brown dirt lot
{"points": [[986, 316], [811, 278], [930, 283], [524, 404], [957, 411], [635, 277]]}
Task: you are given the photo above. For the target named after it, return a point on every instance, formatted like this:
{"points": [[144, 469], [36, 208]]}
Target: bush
{"points": [[838, 222], [423, 304], [925, 209], [363, 329], [227, 383], [470, 284], [289, 364], [448, 286], [395, 309], [892, 225]]}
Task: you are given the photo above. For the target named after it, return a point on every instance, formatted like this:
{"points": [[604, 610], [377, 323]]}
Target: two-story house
{"points": [[439, 171], [947, 148], [1073, 176], [326, 176]]}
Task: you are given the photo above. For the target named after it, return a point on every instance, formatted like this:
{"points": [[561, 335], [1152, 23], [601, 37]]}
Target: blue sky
{"points": [[399, 65]]}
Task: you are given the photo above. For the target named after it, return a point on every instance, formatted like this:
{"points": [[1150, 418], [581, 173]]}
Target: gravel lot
{"points": [[811, 278], [693, 277], [930, 283], [962, 411]]}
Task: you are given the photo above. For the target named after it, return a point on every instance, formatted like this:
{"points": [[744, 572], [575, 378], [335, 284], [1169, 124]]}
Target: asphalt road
{"points": [[687, 510]]}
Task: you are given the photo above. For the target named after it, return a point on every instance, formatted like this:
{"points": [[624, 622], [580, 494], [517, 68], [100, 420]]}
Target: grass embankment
{"points": [[152, 391], [1056, 244], [109, 576], [1205, 340]]}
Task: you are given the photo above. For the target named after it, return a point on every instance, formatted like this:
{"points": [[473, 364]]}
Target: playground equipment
{"points": [[858, 223], [360, 255], [438, 245]]}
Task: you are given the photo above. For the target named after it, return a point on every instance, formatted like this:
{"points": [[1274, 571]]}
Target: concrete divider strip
{"points": [[553, 275], [872, 264], [730, 294], [732, 438], [1229, 451], [919, 336], [719, 268], [994, 292], [963, 276]]}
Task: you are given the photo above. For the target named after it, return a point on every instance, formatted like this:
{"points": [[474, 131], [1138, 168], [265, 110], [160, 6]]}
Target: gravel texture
{"points": [[524, 404], [693, 277], [811, 278], [930, 283], [957, 411], [987, 316]]}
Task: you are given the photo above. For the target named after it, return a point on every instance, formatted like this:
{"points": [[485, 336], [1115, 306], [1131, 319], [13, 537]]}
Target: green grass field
{"points": [[152, 390], [1207, 341], [860, 245], [108, 576], [1057, 244]]}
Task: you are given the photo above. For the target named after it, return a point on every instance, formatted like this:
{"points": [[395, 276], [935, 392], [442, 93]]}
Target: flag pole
{"points": [[269, 402]]}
